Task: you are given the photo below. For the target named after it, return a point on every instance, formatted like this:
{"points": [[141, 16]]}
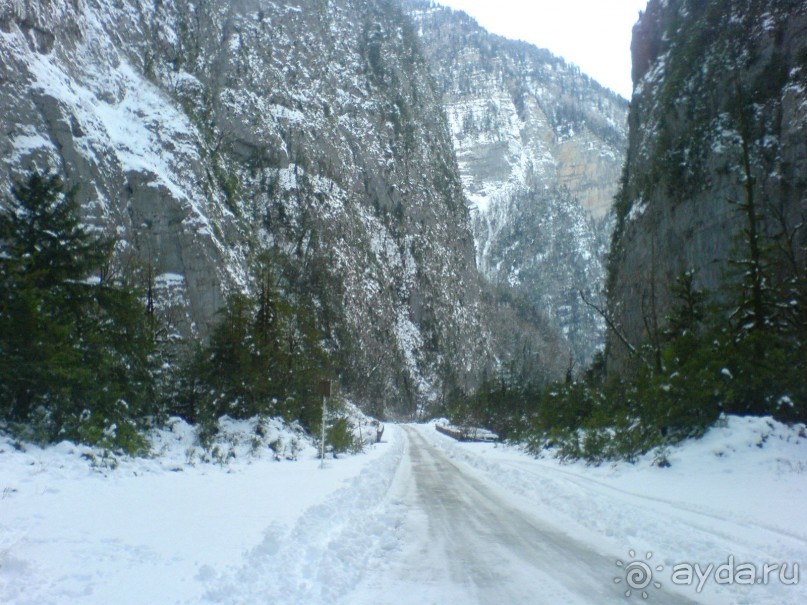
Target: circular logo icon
{"points": [[638, 574]]}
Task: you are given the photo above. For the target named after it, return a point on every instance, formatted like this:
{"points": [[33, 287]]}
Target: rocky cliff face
{"points": [[326, 131], [710, 79], [540, 147], [201, 132]]}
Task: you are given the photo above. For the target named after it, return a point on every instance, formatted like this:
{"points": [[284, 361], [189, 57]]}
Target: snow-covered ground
{"points": [[179, 529], [245, 528]]}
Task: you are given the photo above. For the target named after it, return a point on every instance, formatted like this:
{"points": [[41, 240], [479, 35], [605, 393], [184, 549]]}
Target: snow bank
{"points": [[78, 526], [321, 557]]}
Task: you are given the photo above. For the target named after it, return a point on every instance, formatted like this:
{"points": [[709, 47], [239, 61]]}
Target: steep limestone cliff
{"points": [[202, 131], [540, 148], [711, 79]]}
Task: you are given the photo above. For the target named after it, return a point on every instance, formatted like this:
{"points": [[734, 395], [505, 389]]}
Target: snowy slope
{"points": [[249, 529]]}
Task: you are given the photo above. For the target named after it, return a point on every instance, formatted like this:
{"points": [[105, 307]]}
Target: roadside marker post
{"points": [[325, 391]]}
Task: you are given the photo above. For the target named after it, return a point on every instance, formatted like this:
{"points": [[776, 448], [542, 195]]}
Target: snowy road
{"points": [[466, 543], [414, 520]]}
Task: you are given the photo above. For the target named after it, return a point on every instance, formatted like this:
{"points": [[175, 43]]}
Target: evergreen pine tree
{"points": [[73, 351], [264, 357], [764, 348]]}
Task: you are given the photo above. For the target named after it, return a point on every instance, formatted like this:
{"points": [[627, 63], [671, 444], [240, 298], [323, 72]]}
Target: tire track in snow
{"points": [[469, 542], [617, 520]]}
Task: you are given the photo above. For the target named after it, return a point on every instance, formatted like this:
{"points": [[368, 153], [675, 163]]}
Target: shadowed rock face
{"points": [[707, 75], [199, 132]]}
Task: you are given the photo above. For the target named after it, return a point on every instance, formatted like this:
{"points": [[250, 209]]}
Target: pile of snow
{"points": [[235, 441], [366, 430], [326, 552], [249, 515], [738, 492]]}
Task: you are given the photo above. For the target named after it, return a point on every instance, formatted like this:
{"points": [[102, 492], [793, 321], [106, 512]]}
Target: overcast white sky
{"points": [[593, 34]]}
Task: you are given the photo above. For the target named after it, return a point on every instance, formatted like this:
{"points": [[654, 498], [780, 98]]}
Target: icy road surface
{"points": [[466, 543]]}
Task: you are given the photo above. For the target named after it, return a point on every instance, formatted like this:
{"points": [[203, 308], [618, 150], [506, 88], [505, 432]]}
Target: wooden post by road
{"points": [[325, 391]]}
